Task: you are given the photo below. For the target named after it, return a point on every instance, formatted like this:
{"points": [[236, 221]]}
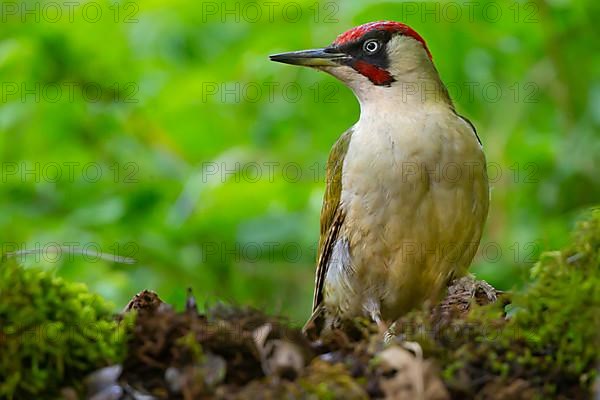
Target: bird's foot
{"points": [[390, 333]]}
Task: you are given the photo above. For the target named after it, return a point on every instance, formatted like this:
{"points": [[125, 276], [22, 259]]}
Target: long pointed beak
{"points": [[327, 57]]}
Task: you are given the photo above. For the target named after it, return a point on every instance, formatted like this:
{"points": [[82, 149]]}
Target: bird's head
{"points": [[371, 57]]}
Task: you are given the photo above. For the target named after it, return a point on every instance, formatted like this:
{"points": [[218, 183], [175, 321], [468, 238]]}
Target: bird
{"points": [[407, 192]]}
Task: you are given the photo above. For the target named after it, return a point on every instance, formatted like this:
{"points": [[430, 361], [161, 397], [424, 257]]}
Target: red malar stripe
{"points": [[375, 74]]}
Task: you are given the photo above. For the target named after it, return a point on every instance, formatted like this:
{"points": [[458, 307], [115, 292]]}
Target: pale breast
{"points": [[415, 196]]}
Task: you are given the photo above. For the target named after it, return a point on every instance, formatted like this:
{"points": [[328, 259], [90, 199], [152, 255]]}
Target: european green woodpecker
{"points": [[407, 193]]}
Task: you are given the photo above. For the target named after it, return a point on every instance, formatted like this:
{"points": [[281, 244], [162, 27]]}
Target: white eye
{"points": [[371, 46]]}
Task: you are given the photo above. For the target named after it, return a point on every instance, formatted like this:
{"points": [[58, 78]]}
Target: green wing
{"points": [[332, 216]]}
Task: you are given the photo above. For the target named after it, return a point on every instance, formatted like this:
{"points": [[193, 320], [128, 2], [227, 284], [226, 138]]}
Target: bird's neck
{"points": [[412, 90]]}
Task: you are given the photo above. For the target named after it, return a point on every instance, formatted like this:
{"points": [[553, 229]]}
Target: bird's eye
{"points": [[371, 46]]}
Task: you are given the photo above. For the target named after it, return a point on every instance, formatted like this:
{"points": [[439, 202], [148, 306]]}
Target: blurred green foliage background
{"points": [[160, 131]]}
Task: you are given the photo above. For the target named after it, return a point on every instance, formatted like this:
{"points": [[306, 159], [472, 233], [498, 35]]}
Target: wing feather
{"points": [[332, 216]]}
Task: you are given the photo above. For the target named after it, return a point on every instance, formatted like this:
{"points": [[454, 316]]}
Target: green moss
{"points": [[551, 338], [192, 347], [558, 313], [52, 333], [330, 381]]}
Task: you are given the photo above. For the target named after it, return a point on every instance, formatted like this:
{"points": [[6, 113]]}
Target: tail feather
{"points": [[315, 324]]}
